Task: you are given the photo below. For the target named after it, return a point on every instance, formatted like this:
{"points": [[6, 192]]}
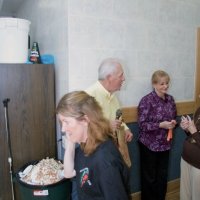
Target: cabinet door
{"points": [[31, 117]]}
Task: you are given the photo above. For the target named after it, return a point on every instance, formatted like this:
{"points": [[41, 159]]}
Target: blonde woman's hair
{"points": [[159, 74], [79, 104]]}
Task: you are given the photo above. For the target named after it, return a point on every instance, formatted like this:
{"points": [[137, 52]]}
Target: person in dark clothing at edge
{"points": [[190, 161], [156, 115], [100, 171]]}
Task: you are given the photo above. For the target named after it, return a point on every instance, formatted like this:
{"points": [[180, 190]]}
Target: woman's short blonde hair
{"points": [[79, 104], [159, 74]]}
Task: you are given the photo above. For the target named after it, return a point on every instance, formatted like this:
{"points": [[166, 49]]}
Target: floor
{"points": [[173, 195]]}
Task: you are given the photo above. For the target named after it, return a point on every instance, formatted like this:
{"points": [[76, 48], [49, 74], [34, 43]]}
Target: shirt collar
{"points": [[104, 92], [159, 98]]}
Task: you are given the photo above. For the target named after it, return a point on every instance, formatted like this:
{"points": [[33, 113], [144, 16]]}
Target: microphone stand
{"points": [[5, 103]]}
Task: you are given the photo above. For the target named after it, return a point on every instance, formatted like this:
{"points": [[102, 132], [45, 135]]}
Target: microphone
{"points": [[5, 102], [118, 114], [118, 117]]}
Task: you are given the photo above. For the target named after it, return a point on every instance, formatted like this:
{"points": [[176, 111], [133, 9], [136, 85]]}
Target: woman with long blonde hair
{"points": [[97, 164]]}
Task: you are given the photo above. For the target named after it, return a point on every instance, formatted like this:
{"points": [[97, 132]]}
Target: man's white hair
{"points": [[107, 67]]}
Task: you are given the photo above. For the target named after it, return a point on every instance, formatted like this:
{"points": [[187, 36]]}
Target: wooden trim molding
{"points": [[129, 114], [183, 108], [197, 72]]}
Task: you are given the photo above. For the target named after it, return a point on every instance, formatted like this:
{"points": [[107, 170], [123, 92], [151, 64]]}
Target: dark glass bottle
{"points": [[35, 53]]}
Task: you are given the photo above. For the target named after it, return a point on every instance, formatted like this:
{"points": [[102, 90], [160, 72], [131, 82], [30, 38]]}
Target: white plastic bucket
{"points": [[14, 40]]}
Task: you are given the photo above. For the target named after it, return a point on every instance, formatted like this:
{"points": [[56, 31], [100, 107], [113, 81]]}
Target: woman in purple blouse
{"points": [[156, 115]]}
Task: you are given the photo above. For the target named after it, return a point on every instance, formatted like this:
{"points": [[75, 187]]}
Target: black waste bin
{"points": [[57, 191]]}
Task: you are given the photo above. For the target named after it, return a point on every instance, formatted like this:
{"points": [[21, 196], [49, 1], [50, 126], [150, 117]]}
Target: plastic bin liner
{"points": [[58, 191]]}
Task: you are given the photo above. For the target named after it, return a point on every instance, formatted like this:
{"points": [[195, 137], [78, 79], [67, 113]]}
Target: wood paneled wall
{"points": [[31, 114]]}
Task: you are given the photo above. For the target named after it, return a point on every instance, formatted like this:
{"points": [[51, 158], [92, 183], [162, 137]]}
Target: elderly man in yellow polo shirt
{"points": [[110, 80]]}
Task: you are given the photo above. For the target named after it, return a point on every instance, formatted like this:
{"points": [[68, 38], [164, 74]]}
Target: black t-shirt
{"points": [[102, 175]]}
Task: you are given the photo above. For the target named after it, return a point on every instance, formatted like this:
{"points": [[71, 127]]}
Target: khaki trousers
{"points": [[190, 182]]}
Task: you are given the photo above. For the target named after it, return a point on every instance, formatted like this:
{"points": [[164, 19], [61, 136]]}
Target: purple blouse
{"points": [[151, 111]]}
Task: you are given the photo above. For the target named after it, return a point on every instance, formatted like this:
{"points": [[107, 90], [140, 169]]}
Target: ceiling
{"points": [[9, 7]]}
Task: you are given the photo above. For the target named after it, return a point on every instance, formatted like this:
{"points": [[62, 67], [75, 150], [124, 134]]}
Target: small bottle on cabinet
{"points": [[35, 54]]}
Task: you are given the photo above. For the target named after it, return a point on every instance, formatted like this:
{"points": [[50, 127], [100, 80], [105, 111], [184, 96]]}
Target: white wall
{"points": [[146, 34], [49, 28]]}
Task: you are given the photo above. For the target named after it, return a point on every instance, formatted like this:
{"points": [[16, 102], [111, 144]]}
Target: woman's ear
{"points": [[153, 85], [86, 120]]}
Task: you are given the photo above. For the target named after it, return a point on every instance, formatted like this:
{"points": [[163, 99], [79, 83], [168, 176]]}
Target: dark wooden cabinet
{"points": [[31, 115]]}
